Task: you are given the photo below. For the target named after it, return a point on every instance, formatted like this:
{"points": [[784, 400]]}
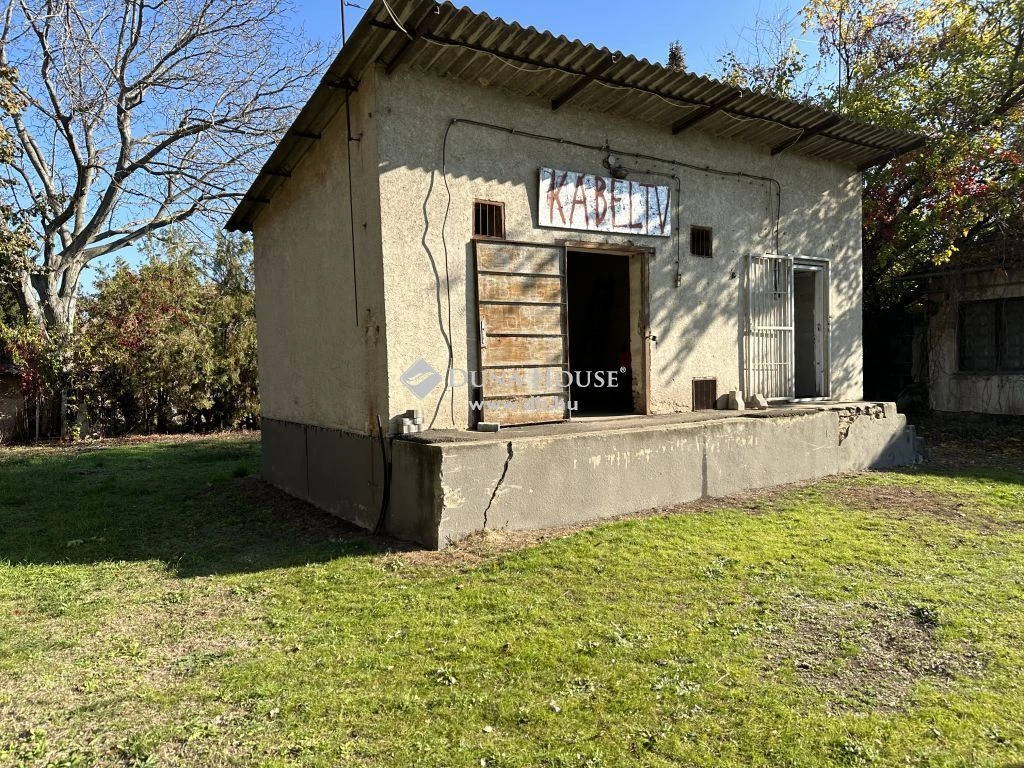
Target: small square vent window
{"points": [[488, 220], [705, 394], [700, 241]]}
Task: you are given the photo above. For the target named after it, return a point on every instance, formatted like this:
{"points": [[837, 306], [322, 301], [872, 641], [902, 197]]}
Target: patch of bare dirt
{"points": [[901, 500], [483, 545], [905, 502], [866, 656], [974, 442]]}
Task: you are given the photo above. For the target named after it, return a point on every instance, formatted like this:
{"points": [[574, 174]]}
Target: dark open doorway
{"points": [[806, 333], [599, 332]]}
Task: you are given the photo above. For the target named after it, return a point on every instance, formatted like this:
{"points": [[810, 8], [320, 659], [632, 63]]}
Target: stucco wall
{"points": [[951, 390], [698, 325], [12, 406], [318, 363]]}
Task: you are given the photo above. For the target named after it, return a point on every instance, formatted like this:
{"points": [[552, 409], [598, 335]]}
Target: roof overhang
{"points": [[445, 40]]}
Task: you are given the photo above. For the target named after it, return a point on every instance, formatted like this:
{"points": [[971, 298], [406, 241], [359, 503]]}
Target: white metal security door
{"points": [[769, 340]]}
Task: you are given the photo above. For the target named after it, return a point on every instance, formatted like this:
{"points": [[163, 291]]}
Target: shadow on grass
{"points": [[194, 506], [974, 446]]}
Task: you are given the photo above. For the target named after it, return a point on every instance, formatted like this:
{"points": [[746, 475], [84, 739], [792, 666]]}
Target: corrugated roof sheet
{"points": [[449, 41]]}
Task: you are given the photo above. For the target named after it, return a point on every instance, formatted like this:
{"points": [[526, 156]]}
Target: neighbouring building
{"points": [[975, 348], [471, 221], [12, 404]]}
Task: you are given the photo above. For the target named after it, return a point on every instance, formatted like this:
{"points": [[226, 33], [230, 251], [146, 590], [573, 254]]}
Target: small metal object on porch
{"points": [[412, 421]]}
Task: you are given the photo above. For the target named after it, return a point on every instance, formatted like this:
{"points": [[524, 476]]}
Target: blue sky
{"points": [[640, 27], [643, 28]]}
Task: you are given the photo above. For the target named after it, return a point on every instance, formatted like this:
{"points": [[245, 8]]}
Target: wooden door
{"points": [[524, 346]]}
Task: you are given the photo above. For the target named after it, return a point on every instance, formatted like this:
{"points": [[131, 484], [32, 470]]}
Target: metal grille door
{"points": [[524, 349], [769, 341]]}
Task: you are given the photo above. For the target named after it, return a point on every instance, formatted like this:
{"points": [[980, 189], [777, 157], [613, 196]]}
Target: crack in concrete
{"points": [[497, 486]]}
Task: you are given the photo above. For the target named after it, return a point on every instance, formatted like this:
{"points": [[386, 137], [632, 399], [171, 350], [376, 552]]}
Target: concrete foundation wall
{"points": [[699, 324], [320, 326], [442, 491], [339, 472], [950, 389]]}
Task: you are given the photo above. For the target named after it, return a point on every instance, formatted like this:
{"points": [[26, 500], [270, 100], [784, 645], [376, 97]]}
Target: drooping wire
{"points": [[446, 333], [394, 18], [446, 329], [444, 247], [776, 214]]}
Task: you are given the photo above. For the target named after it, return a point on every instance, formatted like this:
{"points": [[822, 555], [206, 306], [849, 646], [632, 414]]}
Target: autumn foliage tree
{"points": [[170, 345], [951, 70]]}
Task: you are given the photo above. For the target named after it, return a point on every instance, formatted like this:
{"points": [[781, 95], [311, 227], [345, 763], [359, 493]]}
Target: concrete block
{"points": [[736, 402], [533, 483], [345, 474], [444, 489], [488, 426], [878, 443], [415, 503], [757, 402], [283, 446]]}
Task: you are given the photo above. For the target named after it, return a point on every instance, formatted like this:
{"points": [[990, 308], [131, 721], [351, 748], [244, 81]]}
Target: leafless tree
{"points": [[140, 114], [767, 59]]}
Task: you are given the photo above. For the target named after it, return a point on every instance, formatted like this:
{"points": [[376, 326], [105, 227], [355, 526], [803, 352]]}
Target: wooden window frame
{"points": [[962, 329], [501, 210]]}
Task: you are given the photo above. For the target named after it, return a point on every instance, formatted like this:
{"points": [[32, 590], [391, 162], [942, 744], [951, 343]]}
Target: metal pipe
{"points": [[351, 202]]}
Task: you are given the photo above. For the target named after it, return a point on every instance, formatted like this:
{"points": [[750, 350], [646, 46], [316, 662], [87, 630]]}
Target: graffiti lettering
{"points": [[603, 204]]}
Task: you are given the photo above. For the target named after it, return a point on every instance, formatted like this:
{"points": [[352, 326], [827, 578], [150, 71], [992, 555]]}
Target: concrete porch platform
{"points": [[448, 484]]}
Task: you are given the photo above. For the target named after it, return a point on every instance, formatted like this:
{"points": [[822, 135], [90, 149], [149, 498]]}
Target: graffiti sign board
{"points": [[584, 201]]}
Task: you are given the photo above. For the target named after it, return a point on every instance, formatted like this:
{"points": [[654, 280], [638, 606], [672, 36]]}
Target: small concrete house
{"points": [[472, 223], [976, 339]]}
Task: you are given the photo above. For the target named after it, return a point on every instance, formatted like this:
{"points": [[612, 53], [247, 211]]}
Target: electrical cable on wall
{"points": [[446, 332], [351, 205], [447, 277], [776, 214]]}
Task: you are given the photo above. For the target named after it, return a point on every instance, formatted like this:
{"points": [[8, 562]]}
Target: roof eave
{"points": [[571, 67]]}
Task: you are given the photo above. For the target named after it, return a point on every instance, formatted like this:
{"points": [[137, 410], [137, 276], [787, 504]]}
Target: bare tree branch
{"points": [[140, 115]]}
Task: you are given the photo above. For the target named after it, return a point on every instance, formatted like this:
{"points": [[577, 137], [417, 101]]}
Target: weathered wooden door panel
{"points": [[513, 318], [516, 382], [521, 350], [529, 289], [532, 410], [524, 356], [518, 260]]}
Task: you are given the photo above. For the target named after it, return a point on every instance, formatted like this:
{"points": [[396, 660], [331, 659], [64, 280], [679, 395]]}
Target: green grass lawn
{"points": [[157, 607]]}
